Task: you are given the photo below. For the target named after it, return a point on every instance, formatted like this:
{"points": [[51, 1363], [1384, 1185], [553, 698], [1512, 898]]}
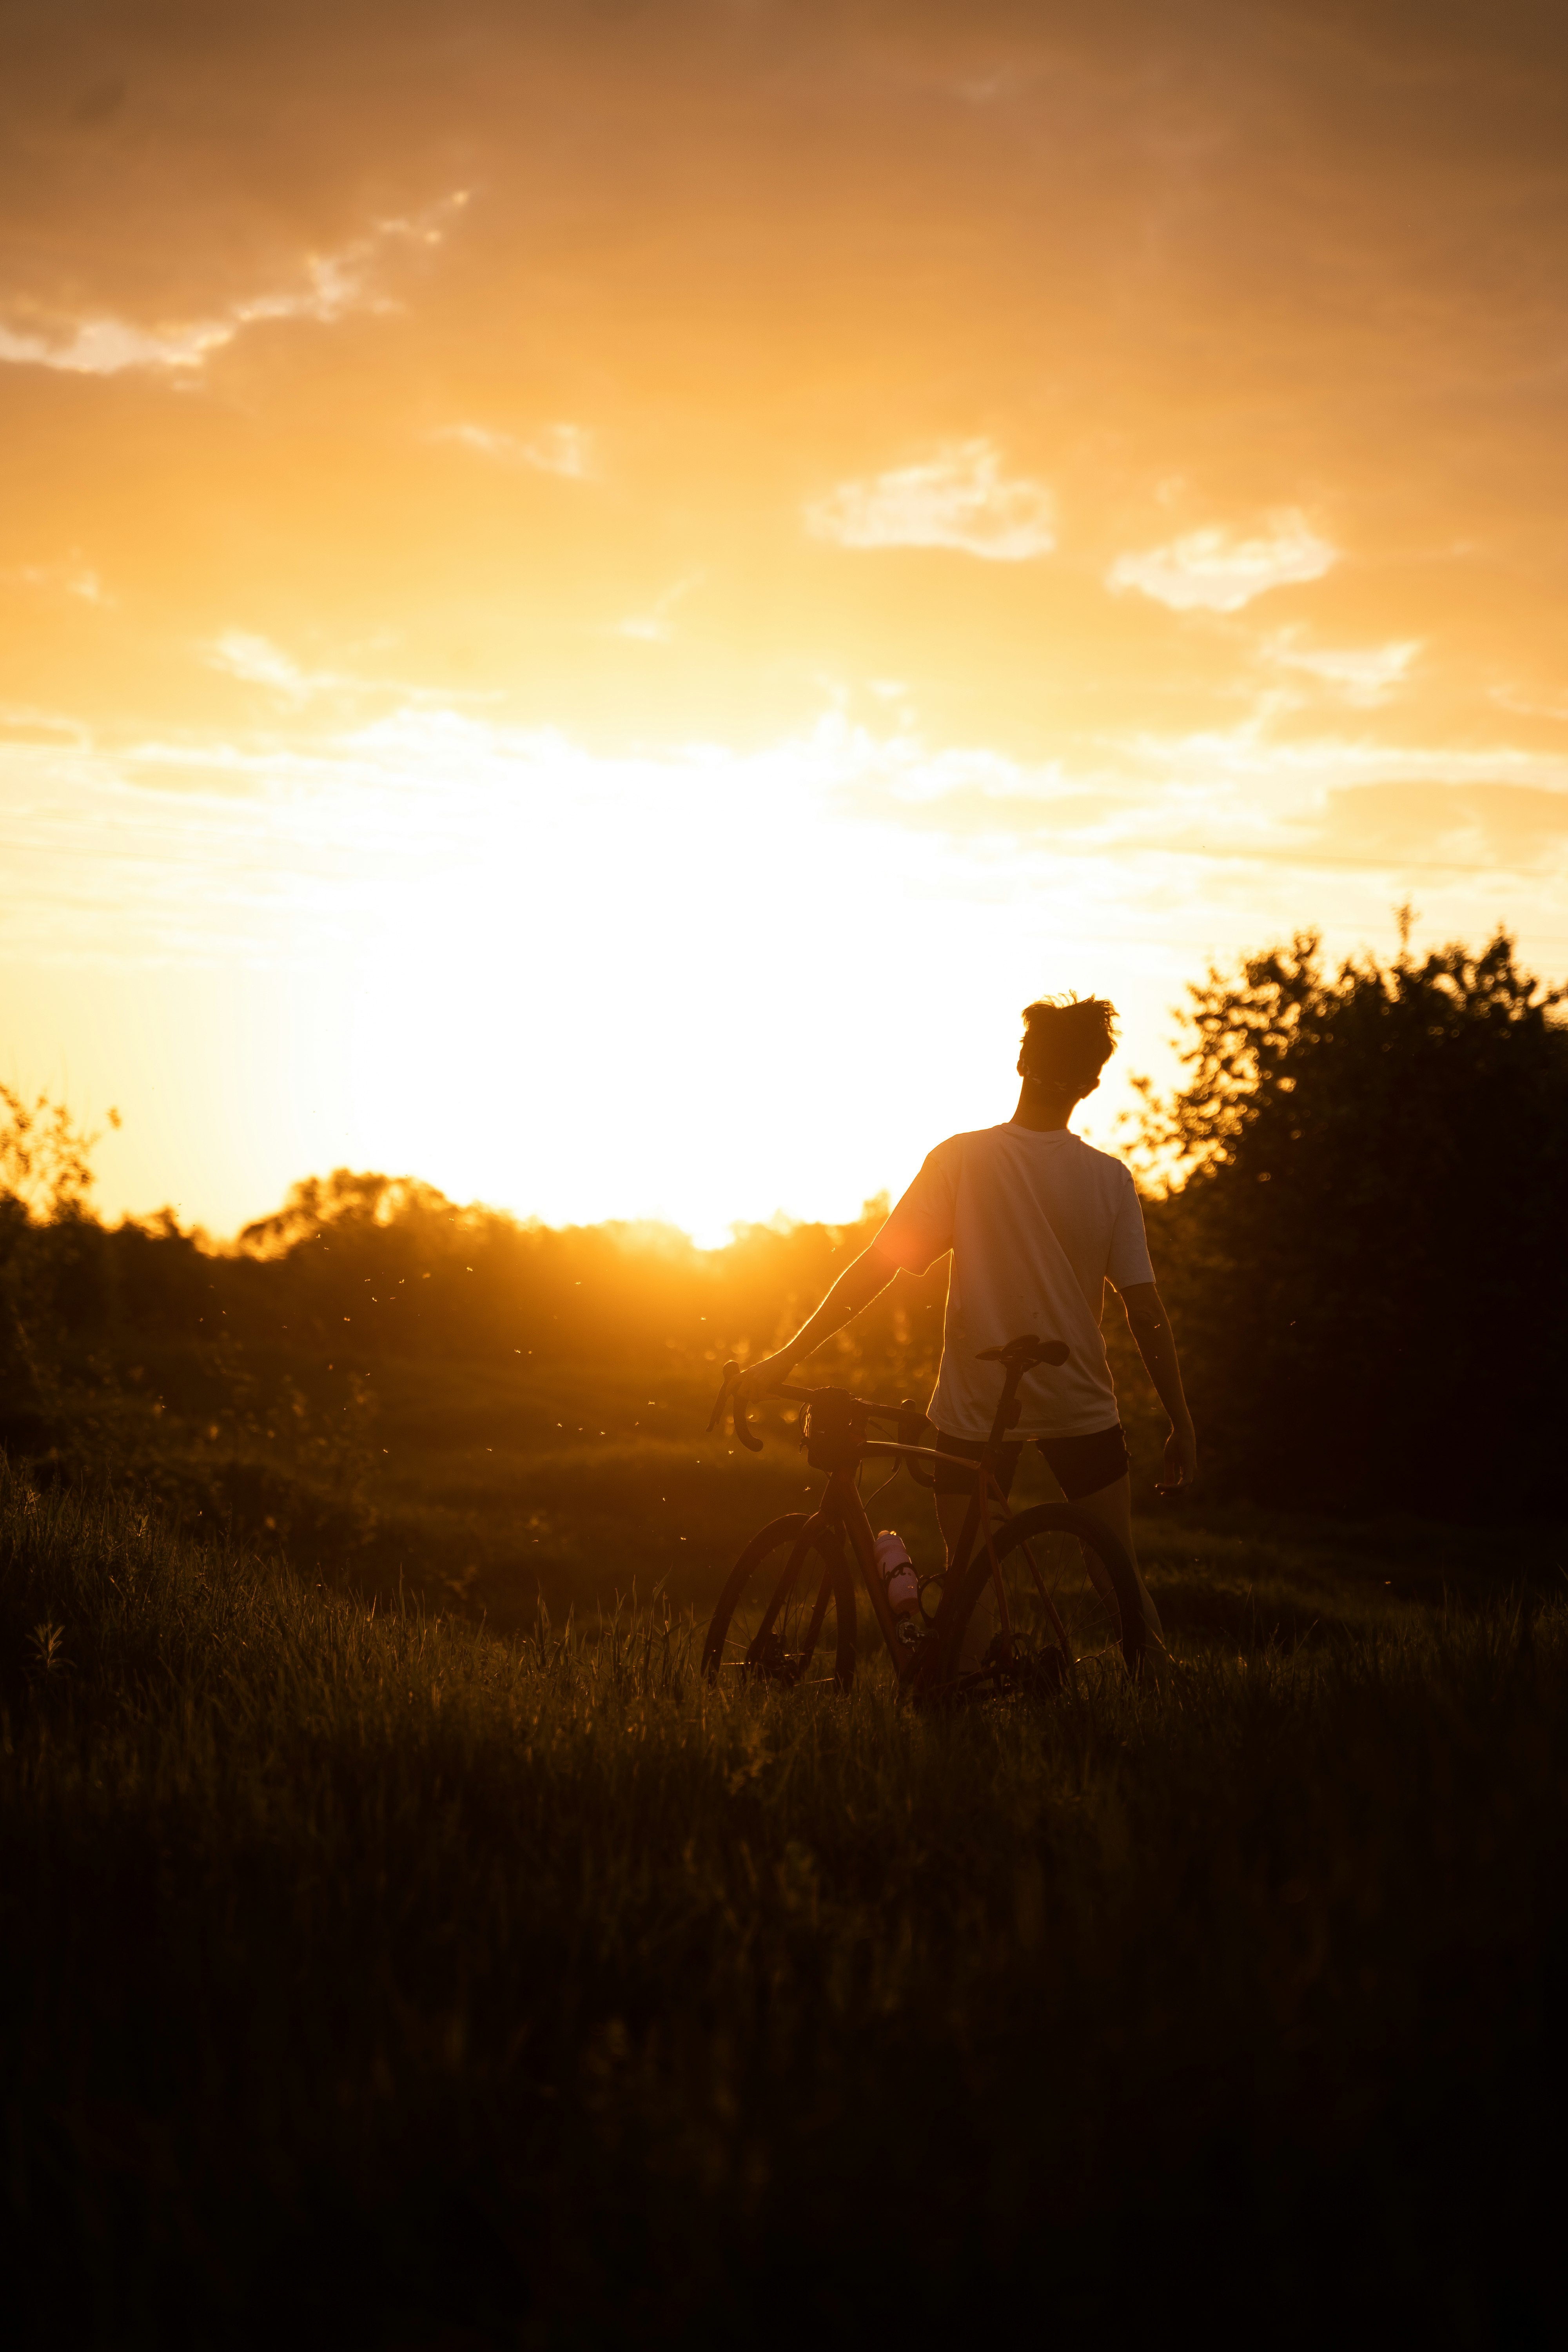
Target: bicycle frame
{"points": [[841, 1507]]}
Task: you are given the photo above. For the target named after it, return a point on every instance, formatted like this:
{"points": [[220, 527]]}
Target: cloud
{"points": [[333, 283], [183, 772], [1470, 825], [1212, 571], [957, 498], [1364, 674], [109, 346], [35, 727], [654, 628], [1511, 698], [564, 449], [259, 662], [256, 661], [71, 578]]}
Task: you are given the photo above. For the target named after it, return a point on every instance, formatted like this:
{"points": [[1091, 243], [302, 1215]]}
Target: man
{"points": [[1037, 1222]]}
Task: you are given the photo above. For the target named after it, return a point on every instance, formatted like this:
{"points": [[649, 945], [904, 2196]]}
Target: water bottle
{"points": [[898, 1578]]}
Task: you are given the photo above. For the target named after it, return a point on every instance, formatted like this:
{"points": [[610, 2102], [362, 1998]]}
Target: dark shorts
{"points": [[1080, 1465]]}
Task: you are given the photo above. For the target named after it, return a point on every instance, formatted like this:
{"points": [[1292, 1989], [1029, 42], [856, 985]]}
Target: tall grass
{"points": [[367, 1976]]}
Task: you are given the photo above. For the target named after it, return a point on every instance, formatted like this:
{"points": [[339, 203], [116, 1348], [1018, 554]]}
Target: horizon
{"points": [[592, 605]]}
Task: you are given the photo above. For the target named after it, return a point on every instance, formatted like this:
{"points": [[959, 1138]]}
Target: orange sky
{"points": [[593, 596]]}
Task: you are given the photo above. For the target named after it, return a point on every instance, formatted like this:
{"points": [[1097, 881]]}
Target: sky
{"points": [[593, 596]]}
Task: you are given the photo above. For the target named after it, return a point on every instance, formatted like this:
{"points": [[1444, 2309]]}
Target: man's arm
{"points": [[1156, 1343], [861, 1281]]}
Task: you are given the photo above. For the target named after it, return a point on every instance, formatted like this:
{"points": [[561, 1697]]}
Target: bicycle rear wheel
{"points": [[787, 1611], [1069, 1602]]}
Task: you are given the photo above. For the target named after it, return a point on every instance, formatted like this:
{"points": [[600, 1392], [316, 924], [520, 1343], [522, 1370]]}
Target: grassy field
{"points": [[372, 1976], [482, 1486]]}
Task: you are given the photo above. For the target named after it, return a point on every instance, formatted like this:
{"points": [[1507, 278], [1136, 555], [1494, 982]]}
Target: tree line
{"points": [[1354, 1200]]}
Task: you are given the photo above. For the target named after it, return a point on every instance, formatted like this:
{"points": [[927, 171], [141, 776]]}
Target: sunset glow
{"points": [[593, 598]]}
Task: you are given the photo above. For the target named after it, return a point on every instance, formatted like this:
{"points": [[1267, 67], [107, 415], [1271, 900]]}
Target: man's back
{"points": [[1035, 1220]]}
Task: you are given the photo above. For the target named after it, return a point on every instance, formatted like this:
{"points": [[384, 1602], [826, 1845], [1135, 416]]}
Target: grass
{"points": [[474, 1485], [370, 1978], [482, 1486]]}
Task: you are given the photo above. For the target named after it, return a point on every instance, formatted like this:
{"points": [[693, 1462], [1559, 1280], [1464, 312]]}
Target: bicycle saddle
{"points": [[1023, 1354]]}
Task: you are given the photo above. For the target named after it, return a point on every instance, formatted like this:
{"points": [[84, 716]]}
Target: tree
{"points": [[1363, 1227], [45, 1179]]}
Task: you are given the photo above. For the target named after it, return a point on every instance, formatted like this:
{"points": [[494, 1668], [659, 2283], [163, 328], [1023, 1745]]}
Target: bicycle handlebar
{"points": [[716, 1418], [1020, 1356], [737, 1407]]}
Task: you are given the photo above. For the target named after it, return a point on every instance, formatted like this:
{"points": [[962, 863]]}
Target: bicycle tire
{"points": [[782, 1618], [940, 1668]]}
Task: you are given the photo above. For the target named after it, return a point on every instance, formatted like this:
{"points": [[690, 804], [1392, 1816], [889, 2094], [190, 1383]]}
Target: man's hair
{"points": [[1068, 1041]]}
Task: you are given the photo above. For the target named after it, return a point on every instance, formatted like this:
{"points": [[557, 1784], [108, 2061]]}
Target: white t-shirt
{"points": [[1036, 1222]]}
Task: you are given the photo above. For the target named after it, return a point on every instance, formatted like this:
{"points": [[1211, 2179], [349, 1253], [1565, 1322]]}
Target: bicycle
{"points": [[1052, 1613]]}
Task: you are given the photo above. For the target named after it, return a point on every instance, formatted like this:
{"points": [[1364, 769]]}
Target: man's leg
{"points": [[1112, 1504], [952, 1510]]}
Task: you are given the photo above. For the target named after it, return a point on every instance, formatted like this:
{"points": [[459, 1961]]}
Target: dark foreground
{"points": [[369, 1979]]}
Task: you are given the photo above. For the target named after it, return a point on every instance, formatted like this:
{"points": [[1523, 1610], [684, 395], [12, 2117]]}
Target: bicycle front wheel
{"points": [[1063, 1598], [787, 1611]]}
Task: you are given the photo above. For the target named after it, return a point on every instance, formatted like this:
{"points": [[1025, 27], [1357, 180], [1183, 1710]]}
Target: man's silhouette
{"points": [[1037, 1222]]}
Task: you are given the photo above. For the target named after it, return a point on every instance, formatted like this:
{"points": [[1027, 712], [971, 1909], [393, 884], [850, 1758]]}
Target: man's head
{"points": [[1067, 1043]]}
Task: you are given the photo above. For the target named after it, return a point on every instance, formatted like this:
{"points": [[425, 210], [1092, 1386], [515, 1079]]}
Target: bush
{"points": [[1363, 1244]]}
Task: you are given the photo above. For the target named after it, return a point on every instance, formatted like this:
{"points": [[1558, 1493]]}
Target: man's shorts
{"points": [[1080, 1465]]}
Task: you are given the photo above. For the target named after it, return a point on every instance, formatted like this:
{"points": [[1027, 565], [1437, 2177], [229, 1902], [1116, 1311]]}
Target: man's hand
{"points": [[759, 1379], [1181, 1461], [1151, 1328]]}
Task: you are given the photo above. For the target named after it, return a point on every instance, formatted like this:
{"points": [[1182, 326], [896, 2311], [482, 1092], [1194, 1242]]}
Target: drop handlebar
{"points": [[1020, 1357]]}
